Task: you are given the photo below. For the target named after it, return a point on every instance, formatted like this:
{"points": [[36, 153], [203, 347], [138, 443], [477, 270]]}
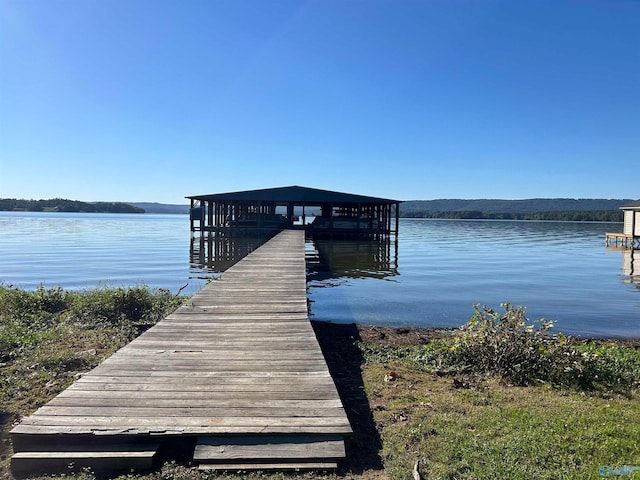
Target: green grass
{"points": [[487, 429]]}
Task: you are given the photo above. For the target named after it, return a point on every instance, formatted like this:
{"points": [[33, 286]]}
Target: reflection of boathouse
{"points": [[631, 264], [630, 236], [322, 212], [332, 259]]}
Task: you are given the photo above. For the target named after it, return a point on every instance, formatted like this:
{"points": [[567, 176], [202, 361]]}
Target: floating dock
{"points": [[234, 375]]}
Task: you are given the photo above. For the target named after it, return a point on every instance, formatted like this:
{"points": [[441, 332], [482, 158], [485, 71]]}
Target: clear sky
{"points": [[154, 100]]}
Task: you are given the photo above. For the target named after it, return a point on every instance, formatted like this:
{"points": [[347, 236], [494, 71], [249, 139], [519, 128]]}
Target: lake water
{"points": [[431, 276]]}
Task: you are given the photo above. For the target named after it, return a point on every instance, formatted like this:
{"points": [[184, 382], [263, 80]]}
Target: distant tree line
{"points": [[565, 216], [64, 205], [516, 207], [153, 207]]}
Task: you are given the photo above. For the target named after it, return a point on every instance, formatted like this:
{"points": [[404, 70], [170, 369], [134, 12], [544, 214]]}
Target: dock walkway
{"points": [[623, 240], [237, 371]]}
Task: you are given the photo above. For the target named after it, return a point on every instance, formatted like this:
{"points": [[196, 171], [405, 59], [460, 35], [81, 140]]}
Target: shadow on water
{"points": [[344, 359]]}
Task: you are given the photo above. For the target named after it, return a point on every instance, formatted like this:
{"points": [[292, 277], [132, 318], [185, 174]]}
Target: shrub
{"points": [[132, 303], [50, 300], [507, 344], [525, 352], [114, 305]]}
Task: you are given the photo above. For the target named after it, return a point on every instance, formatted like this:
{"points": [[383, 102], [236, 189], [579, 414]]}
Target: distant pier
{"points": [[630, 236]]}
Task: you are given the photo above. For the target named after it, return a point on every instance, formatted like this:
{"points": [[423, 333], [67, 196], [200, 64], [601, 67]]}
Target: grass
{"points": [[49, 336], [417, 403], [485, 429]]}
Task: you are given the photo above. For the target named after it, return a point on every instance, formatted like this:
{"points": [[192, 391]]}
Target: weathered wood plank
{"points": [[165, 412], [217, 377], [275, 393], [259, 448], [315, 465], [23, 462], [241, 367], [175, 386], [217, 424], [113, 428], [223, 377], [152, 343], [211, 360], [137, 401]]}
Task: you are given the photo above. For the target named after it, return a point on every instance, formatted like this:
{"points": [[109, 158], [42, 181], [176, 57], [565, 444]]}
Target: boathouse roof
{"points": [[296, 194], [631, 206]]}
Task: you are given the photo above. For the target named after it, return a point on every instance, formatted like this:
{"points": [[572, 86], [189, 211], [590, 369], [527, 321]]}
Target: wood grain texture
{"points": [[260, 448], [238, 358]]}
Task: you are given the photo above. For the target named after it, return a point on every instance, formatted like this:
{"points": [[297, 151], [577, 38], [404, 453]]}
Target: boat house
{"points": [[322, 212], [630, 236]]}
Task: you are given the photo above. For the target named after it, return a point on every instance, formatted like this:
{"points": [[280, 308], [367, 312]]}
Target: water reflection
{"points": [[339, 259], [326, 259], [214, 254], [631, 265]]}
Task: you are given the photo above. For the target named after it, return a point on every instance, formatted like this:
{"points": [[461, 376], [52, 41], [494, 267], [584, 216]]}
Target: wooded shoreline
{"points": [[582, 210], [64, 205]]}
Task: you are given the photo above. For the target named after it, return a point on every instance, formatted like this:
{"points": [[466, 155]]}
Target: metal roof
{"points": [[293, 194], [631, 205]]}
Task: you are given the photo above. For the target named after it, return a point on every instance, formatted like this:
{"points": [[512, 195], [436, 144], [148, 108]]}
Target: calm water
{"points": [[431, 277]]}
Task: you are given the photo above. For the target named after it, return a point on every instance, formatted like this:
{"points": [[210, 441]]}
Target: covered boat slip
{"points": [[321, 212], [236, 374]]}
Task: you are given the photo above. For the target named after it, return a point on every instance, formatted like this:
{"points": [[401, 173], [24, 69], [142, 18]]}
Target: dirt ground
{"points": [[401, 335]]}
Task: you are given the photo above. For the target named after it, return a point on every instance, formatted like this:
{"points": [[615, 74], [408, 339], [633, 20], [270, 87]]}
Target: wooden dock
{"points": [[623, 240], [235, 373]]}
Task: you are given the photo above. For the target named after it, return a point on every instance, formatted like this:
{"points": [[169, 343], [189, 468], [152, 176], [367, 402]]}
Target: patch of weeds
{"points": [[378, 353], [601, 366], [65, 361], [13, 300], [137, 304], [433, 356], [49, 336]]}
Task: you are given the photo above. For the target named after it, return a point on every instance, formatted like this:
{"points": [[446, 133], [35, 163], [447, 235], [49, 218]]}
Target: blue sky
{"points": [[154, 100]]}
